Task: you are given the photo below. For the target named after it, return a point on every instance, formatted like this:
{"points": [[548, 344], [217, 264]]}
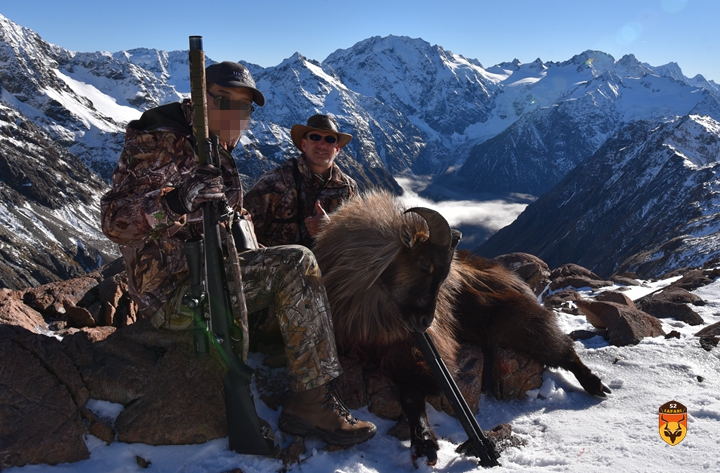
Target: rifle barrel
{"points": [[246, 432], [484, 448]]}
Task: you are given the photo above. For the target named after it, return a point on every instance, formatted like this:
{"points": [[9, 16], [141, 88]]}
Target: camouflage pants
{"points": [[288, 278]]}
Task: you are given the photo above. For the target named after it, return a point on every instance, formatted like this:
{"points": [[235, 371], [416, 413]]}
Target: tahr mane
{"points": [[362, 241]]}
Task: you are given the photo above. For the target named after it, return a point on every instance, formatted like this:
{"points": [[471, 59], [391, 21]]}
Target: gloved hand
{"points": [[204, 184]]}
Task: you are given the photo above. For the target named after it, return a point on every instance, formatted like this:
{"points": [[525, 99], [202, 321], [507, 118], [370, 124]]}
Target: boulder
{"points": [[40, 419], [470, 364], [513, 374], [615, 296], [469, 377], [625, 280], [672, 302], [351, 385], [119, 369], [13, 311], [695, 278], [182, 403], [625, 325], [384, 400], [665, 310], [532, 269], [114, 303], [562, 300], [51, 299], [709, 331], [573, 275]]}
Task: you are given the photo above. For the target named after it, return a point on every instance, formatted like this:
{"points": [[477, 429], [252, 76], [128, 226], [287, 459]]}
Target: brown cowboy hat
{"points": [[318, 123]]}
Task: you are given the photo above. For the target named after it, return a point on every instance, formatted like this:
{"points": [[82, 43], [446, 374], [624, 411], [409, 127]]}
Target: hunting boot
{"points": [[319, 412]]}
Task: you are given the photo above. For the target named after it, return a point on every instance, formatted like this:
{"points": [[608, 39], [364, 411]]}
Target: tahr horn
{"points": [[440, 232]]}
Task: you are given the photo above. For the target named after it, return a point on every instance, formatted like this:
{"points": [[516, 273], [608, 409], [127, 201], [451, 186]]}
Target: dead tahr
{"points": [[388, 271]]}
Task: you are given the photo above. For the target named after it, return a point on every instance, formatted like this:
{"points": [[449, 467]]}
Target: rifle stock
{"points": [[477, 444], [247, 433]]}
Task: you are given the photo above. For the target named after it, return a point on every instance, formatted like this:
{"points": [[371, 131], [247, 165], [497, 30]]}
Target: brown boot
{"points": [[319, 412]]}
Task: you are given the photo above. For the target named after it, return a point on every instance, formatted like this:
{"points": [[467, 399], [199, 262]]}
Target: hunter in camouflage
{"points": [[154, 206], [289, 203]]}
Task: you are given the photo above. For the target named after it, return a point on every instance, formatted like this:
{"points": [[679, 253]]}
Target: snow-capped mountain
{"points": [[413, 108], [49, 210], [83, 100], [298, 88], [646, 202], [566, 111]]}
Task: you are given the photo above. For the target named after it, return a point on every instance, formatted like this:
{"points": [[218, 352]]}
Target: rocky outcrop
{"points": [[626, 325], [562, 300], [694, 278], [172, 397], [672, 302], [571, 275], [41, 396], [532, 269], [13, 311], [709, 336]]}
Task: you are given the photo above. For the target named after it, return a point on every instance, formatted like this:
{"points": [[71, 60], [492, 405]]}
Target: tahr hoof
{"points": [[601, 392], [427, 449]]}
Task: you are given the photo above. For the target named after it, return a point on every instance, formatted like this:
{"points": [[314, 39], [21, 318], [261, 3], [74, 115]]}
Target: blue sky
{"points": [[265, 32]]}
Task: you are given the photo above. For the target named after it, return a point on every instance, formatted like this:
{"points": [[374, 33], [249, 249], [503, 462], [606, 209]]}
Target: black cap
{"points": [[233, 74]]}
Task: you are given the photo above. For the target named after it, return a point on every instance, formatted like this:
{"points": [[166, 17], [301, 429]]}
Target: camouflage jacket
{"points": [[277, 214], [157, 156]]}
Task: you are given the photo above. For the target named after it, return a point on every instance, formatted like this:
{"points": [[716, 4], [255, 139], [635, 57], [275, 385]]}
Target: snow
{"points": [[564, 428], [102, 102]]}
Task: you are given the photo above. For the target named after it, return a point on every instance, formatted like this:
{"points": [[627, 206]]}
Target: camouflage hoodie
{"points": [[157, 156], [273, 203]]}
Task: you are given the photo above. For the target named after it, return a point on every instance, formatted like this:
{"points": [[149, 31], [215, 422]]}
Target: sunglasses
{"points": [[328, 139], [224, 103]]}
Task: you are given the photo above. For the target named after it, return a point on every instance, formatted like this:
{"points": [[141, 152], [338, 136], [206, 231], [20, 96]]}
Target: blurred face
{"points": [[319, 153], [228, 112]]}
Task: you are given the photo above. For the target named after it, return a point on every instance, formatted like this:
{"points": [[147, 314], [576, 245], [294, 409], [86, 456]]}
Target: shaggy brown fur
{"points": [[375, 279], [353, 252]]}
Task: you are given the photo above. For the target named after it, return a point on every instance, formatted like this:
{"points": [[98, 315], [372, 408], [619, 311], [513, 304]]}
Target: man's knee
{"points": [[300, 258]]}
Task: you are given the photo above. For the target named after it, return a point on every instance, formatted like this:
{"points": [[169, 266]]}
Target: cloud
{"points": [[490, 214]]}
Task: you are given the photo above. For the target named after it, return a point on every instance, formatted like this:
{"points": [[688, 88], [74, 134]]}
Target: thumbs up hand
{"points": [[316, 223]]}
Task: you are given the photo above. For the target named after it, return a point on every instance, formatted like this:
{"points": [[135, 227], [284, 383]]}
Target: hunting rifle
{"points": [[247, 433], [477, 444]]}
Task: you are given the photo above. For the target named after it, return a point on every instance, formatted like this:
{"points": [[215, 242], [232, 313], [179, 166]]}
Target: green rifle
{"points": [[477, 444], [247, 433]]}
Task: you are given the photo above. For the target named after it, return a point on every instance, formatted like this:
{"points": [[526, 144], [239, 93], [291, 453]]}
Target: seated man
{"points": [[154, 207], [290, 204]]}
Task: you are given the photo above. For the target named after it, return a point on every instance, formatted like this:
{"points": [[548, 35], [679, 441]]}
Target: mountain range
{"points": [[621, 154]]}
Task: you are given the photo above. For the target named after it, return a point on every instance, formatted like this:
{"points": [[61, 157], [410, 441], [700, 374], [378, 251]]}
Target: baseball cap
{"points": [[233, 74]]}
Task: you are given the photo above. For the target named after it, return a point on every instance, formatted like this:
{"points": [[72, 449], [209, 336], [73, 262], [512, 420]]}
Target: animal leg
{"points": [[555, 349], [520, 324], [423, 441], [415, 383], [589, 381]]}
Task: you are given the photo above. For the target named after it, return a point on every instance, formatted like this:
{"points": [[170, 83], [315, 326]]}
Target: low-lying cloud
{"points": [[490, 214]]}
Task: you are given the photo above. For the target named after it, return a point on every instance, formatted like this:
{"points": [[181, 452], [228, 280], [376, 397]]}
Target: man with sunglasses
{"points": [[290, 204], [154, 206]]}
